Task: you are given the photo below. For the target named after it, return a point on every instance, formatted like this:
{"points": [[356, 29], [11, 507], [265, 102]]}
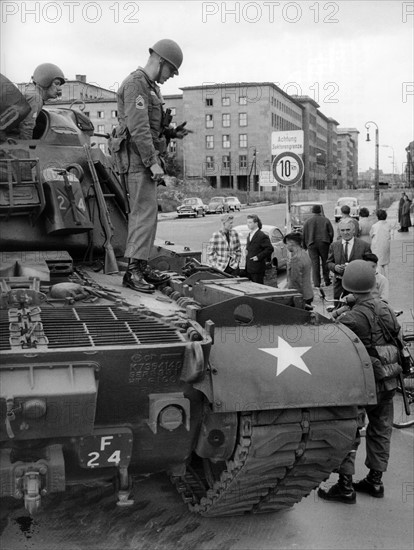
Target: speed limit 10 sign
{"points": [[288, 168]]}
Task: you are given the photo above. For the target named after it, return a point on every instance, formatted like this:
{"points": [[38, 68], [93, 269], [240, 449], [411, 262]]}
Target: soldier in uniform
{"points": [[142, 123], [47, 81], [374, 322]]}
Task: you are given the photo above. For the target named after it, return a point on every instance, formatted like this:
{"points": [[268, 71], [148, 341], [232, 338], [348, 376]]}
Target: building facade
{"points": [[233, 126], [347, 158]]}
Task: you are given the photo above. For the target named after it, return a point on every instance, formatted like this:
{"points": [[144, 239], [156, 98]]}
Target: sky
{"points": [[353, 57]]}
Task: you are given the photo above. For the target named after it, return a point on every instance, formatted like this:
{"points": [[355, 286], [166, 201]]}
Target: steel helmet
{"points": [[359, 277], [170, 51], [46, 73]]}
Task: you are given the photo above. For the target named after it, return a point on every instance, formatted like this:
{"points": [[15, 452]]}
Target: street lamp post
{"points": [[376, 190]]}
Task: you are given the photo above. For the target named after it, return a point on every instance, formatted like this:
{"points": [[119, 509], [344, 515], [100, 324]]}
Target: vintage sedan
{"points": [[234, 203], [192, 207], [353, 204], [279, 255], [217, 205]]}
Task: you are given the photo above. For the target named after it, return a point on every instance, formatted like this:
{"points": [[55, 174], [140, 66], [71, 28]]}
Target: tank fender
{"points": [[270, 356]]}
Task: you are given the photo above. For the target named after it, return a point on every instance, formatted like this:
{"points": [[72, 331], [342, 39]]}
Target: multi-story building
{"points": [[233, 125], [347, 158]]}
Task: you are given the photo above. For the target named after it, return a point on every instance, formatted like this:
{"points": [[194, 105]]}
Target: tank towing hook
{"points": [[125, 487], [32, 492]]}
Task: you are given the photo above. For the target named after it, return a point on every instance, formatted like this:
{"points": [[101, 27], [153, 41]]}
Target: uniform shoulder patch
{"points": [[139, 102]]}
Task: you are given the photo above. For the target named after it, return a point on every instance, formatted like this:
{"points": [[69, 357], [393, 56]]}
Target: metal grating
{"points": [[95, 326]]}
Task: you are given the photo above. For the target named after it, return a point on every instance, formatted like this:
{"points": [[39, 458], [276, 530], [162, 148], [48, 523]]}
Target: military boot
{"points": [[134, 278], [153, 276], [372, 484], [342, 491]]}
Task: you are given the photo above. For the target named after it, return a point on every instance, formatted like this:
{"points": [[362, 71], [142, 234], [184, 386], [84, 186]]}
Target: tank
{"points": [[244, 398]]}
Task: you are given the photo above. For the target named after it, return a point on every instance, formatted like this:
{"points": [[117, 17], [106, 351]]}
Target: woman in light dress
{"points": [[380, 234]]}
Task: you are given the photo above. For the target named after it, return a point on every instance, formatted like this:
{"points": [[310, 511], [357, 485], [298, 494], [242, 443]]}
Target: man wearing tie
{"points": [[258, 250], [346, 249]]}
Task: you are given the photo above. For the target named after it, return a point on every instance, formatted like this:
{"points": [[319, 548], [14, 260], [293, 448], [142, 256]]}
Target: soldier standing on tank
{"points": [[46, 84], [374, 322], [142, 122]]}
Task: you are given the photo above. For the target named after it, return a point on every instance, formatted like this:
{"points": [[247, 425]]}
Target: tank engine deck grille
{"points": [[97, 326]]}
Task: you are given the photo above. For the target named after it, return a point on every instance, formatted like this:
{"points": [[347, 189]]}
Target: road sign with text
{"points": [[287, 141]]}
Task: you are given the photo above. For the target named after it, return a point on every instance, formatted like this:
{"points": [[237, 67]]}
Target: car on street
{"points": [[234, 203], [279, 255], [302, 211], [353, 204], [192, 206], [217, 205]]}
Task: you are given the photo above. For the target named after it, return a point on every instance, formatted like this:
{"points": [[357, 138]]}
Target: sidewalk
{"points": [[401, 273]]}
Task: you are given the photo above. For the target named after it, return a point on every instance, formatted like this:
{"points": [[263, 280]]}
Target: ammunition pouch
{"points": [[119, 149], [385, 363]]}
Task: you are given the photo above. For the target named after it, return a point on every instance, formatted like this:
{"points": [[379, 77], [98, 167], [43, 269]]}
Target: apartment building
{"points": [[347, 158]]}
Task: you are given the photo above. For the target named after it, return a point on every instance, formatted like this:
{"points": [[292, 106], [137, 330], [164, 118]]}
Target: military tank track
{"points": [[280, 457]]}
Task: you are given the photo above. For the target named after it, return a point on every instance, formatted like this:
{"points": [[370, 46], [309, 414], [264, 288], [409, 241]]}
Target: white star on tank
{"points": [[288, 355]]}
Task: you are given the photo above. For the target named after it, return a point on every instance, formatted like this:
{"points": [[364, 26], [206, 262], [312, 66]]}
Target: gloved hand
{"points": [[180, 131]]}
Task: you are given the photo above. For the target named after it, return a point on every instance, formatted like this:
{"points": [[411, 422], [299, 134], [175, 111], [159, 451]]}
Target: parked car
{"points": [[192, 207], [234, 203], [279, 255], [217, 205], [353, 204], [301, 211]]}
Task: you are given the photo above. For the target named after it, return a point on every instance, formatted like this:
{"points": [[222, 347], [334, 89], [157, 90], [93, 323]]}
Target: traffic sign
{"points": [[288, 168]]}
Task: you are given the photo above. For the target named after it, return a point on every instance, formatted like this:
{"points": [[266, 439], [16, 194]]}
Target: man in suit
{"points": [[224, 250], [343, 251], [258, 250], [317, 235]]}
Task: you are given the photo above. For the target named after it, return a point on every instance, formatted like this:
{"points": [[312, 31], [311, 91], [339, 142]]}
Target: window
{"points": [[86, 113], [243, 161], [226, 161], [242, 100], [226, 141], [172, 146], [101, 114], [242, 140], [173, 111], [210, 163], [209, 142], [102, 147], [225, 120], [114, 114], [242, 119], [209, 121], [209, 101], [225, 101], [101, 128]]}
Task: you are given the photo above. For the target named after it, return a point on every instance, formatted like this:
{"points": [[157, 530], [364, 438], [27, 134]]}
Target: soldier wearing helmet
{"points": [[374, 322], [145, 131], [47, 81]]}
